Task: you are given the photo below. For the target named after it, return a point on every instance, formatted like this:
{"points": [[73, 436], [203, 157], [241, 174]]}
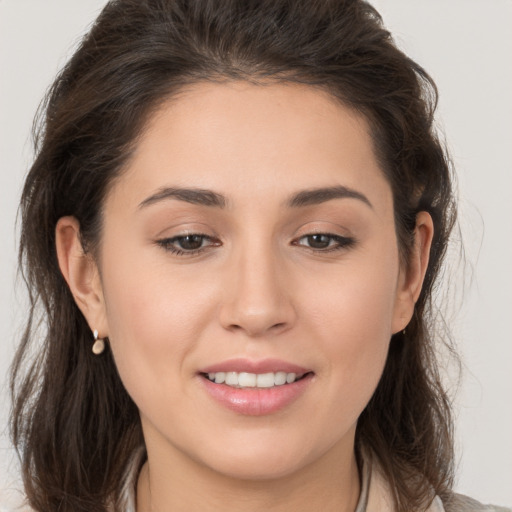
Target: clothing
{"points": [[375, 495]]}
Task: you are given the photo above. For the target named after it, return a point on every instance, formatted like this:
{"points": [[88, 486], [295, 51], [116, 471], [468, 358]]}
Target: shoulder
{"points": [[379, 496], [461, 503]]}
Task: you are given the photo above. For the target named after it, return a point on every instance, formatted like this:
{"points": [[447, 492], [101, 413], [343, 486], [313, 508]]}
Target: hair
{"points": [[73, 423]]}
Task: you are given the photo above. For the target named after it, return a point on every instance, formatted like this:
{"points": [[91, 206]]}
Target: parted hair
{"points": [[74, 425]]}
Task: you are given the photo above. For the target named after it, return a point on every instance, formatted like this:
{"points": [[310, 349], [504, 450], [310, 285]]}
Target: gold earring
{"points": [[99, 344]]}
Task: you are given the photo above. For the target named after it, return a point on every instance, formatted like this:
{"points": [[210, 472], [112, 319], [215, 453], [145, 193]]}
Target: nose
{"points": [[257, 296]]}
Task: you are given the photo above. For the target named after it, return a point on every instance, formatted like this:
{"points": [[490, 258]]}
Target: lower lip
{"points": [[257, 401]]}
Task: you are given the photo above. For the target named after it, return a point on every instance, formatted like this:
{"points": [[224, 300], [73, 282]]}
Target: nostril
{"points": [[256, 319]]}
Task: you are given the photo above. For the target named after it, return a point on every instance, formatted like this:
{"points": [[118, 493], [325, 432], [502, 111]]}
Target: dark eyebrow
{"points": [[205, 197], [321, 195], [190, 195]]}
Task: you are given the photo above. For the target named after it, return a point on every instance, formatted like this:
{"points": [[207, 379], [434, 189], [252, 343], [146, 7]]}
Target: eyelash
{"points": [[341, 242], [168, 244]]}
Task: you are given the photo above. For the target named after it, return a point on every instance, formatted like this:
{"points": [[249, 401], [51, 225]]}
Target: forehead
{"points": [[241, 139]]}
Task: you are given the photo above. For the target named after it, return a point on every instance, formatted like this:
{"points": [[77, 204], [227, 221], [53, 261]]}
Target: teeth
{"points": [[265, 380], [219, 377], [290, 377], [252, 380], [231, 379], [280, 378], [247, 380]]}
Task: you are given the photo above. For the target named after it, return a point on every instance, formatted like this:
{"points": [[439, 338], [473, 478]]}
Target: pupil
{"points": [[319, 241], [191, 242]]}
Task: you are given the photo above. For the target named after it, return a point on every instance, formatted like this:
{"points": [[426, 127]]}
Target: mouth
{"points": [[256, 388], [246, 380]]}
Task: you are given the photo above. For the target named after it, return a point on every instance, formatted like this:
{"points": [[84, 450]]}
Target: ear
{"points": [[410, 280], [81, 273]]}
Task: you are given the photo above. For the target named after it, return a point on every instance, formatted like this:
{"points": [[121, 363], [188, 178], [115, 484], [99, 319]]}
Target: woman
{"points": [[234, 223]]}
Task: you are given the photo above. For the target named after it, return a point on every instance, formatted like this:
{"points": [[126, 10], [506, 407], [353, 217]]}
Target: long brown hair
{"points": [[73, 423]]}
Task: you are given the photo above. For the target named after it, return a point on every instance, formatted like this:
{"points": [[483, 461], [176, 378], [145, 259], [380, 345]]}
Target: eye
{"points": [[187, 244], [325, 242]]}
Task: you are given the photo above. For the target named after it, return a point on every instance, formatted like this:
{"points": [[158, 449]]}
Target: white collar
{"points": [[376, 495]]}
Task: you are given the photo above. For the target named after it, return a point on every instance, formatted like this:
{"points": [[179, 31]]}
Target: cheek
{"points": [[154, 322], [353, 321], [354, 304]]}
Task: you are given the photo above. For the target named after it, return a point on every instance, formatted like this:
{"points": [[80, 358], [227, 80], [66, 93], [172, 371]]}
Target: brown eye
{"points": [[318, 241], [188, 245], [190, 242], [325, 242]]}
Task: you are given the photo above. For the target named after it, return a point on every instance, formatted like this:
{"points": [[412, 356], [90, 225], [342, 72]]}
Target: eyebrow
{"points": [[206, 197], [190, 195], [321, 195]]}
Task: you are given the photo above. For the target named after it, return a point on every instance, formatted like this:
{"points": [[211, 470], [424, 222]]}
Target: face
{"points": [[251, 242]]}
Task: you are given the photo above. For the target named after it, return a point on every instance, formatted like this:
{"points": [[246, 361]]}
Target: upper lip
{"points": [[251, 366]]}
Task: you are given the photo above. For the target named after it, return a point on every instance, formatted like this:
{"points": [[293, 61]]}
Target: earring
{"points": [[99, 344]]}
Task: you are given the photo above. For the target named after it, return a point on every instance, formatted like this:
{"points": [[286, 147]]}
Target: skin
{"points": [[257, 290]]}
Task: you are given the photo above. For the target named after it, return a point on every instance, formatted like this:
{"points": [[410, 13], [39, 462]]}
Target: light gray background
{"points": [[466, 45]]}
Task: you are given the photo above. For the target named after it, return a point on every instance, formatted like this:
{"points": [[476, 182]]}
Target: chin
{"points": [[259, 463], [259, 470]]}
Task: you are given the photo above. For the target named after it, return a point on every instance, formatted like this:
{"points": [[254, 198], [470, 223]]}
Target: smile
{"points": [[242, 380]]}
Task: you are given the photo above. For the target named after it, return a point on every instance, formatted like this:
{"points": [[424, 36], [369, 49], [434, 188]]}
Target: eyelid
{"points": [[342, 242], [182, 227], [167, 243]]}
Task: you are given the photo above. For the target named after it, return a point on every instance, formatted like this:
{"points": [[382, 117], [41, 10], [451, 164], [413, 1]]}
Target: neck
{"points": [[330, 484]]}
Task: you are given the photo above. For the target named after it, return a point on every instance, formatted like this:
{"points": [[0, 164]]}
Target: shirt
{"points": [[376, 495]]}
